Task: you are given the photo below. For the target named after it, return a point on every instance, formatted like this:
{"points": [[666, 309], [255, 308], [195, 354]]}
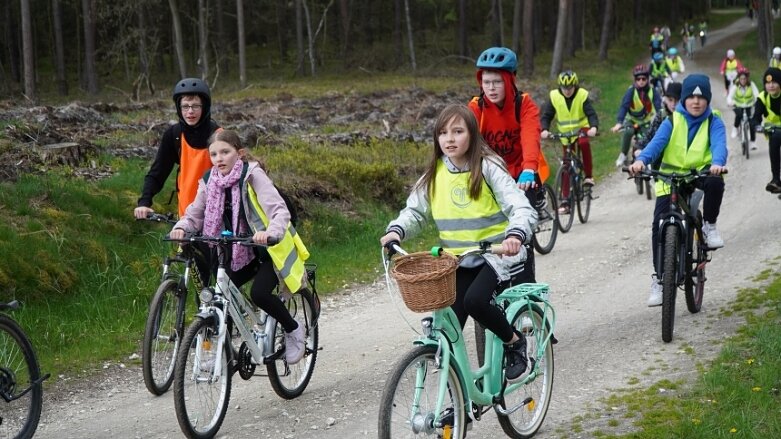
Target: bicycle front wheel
{"points": [[547, 229], [649, 195], [669, 281], [290, 380], [201, 397], [694, 286], [745, 137], [584, 201], [524, 422], [564, 180], [18, 372], [163, 332], [408, 403]]}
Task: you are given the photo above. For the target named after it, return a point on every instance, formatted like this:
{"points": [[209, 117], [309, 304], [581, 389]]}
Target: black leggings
{"points": [[752, 125], [263, 285], [474, 290], [711, 206], [775, 154]]}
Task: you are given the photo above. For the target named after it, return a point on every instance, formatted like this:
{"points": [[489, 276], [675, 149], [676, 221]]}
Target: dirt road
{"points": [[599, 274]]}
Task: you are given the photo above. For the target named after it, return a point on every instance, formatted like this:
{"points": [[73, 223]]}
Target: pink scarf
{"points": [[215, 202]]}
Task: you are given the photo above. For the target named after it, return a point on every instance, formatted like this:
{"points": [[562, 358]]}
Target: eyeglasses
{"points": [[640, 78], [196, 107], [495, 84]]}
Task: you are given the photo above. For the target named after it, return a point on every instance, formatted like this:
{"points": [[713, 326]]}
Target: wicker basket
{"points": [[426, 282]]}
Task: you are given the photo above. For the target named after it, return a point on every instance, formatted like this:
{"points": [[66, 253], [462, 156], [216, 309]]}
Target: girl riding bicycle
{"points": [[238, 196], [471, 197], [743, 95], [693, 137]]}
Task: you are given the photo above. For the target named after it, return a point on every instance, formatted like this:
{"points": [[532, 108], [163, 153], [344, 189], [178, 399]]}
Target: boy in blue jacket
{"points": [[693, 137]]}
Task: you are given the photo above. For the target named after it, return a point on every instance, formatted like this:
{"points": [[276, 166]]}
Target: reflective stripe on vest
{"points": [[677, 157], [288, 255], [771, 118], [193, 163], [744, 96], [637, 111], [463, 222], [569, 119]]}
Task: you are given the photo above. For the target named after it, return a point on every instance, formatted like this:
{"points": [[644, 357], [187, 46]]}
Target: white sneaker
{"points": [[295, 344], [620, 160], [655, 299], [712, 235], [753, 146], [734, 133]]}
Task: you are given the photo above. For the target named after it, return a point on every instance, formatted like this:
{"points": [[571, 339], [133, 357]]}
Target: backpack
{"points": [[288, 201]]}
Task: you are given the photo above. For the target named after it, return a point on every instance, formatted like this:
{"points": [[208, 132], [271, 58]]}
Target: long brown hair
{"points": [[232, 138], [478, 149]]}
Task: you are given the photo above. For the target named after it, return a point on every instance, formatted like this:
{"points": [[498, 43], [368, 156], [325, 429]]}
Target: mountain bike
{"points": [[432, 390], [547, 228], [21, 383], [745, 132], [683, 252], [569, 182], [230, 335], [166, 318]]}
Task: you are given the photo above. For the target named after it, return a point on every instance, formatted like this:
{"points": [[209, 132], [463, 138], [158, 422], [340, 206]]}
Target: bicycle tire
{"points": [[649, 195], [290, 380], [18, 371], [745, 137], [547, 223], [200, 399], [527, 420], [162, 335], [565, 219], [669, 281], [409, 398], [583, 194], [639, 185], [695, 279]]}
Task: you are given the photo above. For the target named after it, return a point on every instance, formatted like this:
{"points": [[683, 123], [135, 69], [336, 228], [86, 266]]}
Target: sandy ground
{"points": [[599, 274]]}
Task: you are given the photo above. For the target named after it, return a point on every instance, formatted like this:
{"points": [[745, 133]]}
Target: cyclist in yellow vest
{"points": [[743, 97], [570, 105], [694, 138], [729, 69], [775, 58], [470, 196], [240, 197], [638, 106], [675, 63], [768, 106]]}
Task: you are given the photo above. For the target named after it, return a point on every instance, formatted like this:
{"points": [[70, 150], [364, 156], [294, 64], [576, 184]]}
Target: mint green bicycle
{"points": [[433, 391]]}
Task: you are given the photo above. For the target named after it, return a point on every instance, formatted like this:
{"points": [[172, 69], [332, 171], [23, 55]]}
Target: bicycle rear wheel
{"points": [[669, 281], [19, 373], [200, 397], [408, 403], [162, 335], [547, 229], [565, 218], [524, 422], [290, 380], [583, 194], [694, 286]]}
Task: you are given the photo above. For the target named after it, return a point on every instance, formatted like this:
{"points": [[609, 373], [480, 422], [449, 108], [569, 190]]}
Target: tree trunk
{"points": [[528, 37], [463, 36], [282, 28], [27, 51], [516, 40], [222, 39], [409, 37], [242, 43], [90, 66], [496, 23], [178, 42], [203, 38], [143, 52], [569, 41], [300, 38], [59, 48], [345, 16], [310, 39], [398, 39], [604, 38], [12, 43], [561, 35]]}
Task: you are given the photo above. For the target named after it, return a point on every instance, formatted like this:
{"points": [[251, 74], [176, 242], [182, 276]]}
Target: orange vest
{"points": [[193, 163]]}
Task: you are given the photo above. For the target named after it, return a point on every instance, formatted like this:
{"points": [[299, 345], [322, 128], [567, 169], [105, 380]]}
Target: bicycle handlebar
{"points": [[394, 247], [667, 176], [159, 218], [567, 136], [224, 239]]}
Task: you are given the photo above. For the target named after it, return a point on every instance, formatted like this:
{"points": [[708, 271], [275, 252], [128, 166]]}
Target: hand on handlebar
{"points": [[592, 132], [544, 134], [635, 167], [177, 234], [718, 170], [390, 237], [616, 128], [511, 246], [141, 212], [264, 238], [526, 180]]}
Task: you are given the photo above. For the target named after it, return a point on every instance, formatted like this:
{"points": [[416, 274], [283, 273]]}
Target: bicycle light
{"points": [[207, 295], [426, 323]]}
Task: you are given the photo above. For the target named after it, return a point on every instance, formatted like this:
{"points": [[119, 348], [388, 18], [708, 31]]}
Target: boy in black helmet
{"points": [[184, 143]]}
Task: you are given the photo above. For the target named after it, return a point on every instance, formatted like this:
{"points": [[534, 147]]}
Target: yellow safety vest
{"points": [[731, 65], [775, 62], [572, 118], [463, 222], [680, 157], [744, 96], [771, 118], [674, 63], [637, 111], [288, 255]]}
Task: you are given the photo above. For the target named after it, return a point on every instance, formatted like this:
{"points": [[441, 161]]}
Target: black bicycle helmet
{"points": [[498, 58], [193, 86]]}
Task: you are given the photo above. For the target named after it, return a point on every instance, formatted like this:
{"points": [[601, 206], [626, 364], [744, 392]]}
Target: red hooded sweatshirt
{"points": [[518, 144]]}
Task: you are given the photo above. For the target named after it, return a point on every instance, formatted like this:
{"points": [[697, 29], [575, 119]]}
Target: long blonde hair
{"points": [[478, 149]]}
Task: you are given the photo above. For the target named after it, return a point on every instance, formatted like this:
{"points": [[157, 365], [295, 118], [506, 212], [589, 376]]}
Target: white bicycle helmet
{"points": [[777, 51]]}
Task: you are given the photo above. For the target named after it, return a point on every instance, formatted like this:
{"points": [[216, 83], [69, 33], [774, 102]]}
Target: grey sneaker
{"points": [[295, 344], [712, 235], [655, 299]]}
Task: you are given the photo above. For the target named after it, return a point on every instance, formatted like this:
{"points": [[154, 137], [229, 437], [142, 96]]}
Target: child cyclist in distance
{"points": [[237, 195], [638, 106], [471, 197], [694, 137], [743, 95], [572, 108]]}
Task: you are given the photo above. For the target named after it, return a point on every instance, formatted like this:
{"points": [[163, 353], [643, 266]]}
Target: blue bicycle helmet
{"points": [[498, 58], [672, 51], [658, 56]]}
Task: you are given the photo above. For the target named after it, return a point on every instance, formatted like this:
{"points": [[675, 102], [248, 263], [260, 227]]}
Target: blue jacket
{"points": [[718, 137]]}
